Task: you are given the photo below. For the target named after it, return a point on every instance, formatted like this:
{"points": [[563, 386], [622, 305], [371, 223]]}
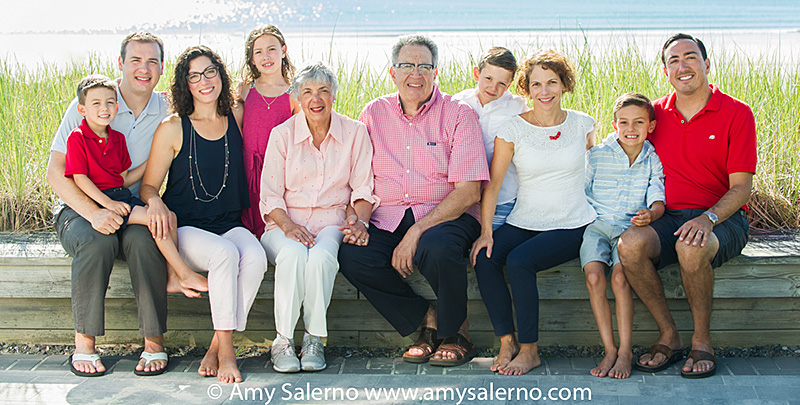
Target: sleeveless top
{"points": [[551, 173], [258, 121], [184, 189]]}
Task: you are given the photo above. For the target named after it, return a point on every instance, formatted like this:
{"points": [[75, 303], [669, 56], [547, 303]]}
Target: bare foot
{"points": [[210, 363], [84, 344], [508, 350], [525, 361], [174, 286], [622, 368], [605, 365], [228, 370], [194, 281], [153, 345]]}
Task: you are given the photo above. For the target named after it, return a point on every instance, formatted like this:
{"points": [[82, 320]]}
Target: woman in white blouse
{"points": [[548, 145]]}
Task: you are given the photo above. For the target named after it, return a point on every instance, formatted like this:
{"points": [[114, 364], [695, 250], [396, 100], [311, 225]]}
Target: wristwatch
{"points": [[712, 217]]}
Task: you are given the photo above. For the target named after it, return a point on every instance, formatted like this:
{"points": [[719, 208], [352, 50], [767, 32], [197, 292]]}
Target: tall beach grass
{"points": [[32, 102]]}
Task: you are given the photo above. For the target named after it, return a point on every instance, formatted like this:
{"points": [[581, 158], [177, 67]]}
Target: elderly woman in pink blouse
{"points": [[316, 192]]}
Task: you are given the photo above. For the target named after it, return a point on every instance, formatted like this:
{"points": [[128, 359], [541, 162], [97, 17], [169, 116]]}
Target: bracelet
{"points": [[366, 224]]}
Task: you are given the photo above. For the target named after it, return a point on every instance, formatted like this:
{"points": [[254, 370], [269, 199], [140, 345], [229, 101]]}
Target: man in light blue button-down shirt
{"points": [[88, 232], [625, 185]]}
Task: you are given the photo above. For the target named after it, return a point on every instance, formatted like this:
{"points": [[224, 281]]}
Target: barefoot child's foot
{"points": [[605, 365], [193, 281], [174, 284], [622, 367]]}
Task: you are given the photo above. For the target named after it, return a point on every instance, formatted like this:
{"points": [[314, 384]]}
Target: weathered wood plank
{"points": [[555, 315], [27, 278], [36, 278]]}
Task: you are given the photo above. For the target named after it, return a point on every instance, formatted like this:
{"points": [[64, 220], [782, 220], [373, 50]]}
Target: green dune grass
{"points": [[32, 102]]}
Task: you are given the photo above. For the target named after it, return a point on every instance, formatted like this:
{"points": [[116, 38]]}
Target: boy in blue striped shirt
{"points": [[625, 185]]}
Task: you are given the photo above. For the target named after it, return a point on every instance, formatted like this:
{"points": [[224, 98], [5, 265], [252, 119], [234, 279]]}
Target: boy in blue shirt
{"points": [[625, 185]]}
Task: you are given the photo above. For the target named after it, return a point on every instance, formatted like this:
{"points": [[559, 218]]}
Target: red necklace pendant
{"points": [[556, 136]]}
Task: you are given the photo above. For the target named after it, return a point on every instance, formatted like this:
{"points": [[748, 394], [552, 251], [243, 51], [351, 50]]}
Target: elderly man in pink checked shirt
{"points": [[428, 162]]}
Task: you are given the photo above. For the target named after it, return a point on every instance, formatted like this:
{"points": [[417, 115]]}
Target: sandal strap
{"points": [[659, 348], [426, 341], [85, 357], [148, 357], [699, 355], [457, 344]]}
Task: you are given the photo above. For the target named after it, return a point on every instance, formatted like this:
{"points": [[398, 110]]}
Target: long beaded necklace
{"points": [[193, 155], [558, 134]]}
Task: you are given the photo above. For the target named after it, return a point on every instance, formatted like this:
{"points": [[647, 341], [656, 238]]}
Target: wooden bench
{"points": [[755, 302]]}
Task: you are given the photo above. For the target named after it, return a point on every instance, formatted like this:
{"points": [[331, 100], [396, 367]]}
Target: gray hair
{"points": [[317, 72], [415, 39]]}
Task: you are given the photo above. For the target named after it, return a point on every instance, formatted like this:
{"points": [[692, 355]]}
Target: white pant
{"points": [[236, 265], [303, 276]]}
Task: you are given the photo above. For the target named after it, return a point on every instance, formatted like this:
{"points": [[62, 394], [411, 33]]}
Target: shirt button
{"points": [[408, 171], [683, 122], [406, 195], [408, 147], [409, 124]]}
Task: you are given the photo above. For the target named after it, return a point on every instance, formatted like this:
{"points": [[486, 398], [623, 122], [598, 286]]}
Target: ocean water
{"points": [[41, 32]]}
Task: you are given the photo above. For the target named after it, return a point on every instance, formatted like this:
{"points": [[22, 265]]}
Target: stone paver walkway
{"points": [[26, 379]]}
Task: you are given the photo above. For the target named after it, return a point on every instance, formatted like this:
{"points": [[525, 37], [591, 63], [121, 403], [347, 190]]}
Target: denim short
{"points": [[501, 213], [600, 244], [123, 195], [732, 234]]}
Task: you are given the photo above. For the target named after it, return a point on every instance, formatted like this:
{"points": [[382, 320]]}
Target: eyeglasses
{"points": [[209, 72], [407, 68]]}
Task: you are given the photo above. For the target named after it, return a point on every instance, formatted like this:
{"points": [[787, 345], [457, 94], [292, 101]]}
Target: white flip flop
{"points": [[148, 357]]}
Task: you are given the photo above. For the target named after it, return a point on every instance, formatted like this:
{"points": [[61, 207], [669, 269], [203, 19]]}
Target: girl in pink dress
{"points": [[264, 91]]}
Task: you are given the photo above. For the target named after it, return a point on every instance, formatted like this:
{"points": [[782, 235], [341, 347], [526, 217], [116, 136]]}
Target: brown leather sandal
{"points": [[698, 355], [427, 342], [671, 357], [458, 344]]}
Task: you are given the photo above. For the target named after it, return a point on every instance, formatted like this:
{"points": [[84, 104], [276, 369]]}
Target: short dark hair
{"points": [[182, 100], [678, 37], [550, 60], [142, 36], [93, 82], [637, 99], [500, 57]]}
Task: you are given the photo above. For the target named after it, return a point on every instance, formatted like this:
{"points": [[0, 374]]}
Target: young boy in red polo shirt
{"points": [[97, 160]]}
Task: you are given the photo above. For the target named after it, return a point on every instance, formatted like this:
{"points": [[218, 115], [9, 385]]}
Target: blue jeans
{"points": [[524, 253]]}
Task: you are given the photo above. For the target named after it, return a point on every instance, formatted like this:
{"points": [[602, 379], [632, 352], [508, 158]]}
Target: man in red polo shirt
{"points": [[707, 143]]}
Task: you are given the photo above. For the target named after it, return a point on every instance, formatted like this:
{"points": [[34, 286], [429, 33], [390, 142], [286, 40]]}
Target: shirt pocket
{"points": [[436, 158]]}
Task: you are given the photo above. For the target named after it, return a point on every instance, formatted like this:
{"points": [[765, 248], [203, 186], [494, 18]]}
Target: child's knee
{"points": [[618, 279], [595, 276]]}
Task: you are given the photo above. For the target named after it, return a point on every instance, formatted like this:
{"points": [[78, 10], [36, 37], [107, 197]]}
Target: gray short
{"points": [[600, 244]]}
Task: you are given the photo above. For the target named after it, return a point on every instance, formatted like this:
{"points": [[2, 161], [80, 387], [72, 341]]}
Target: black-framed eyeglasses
{"points": [[209, 72], [407, 68]]}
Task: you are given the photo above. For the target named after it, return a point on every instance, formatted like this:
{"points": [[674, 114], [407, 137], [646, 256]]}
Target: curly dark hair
{"points": [[182, 100]]}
